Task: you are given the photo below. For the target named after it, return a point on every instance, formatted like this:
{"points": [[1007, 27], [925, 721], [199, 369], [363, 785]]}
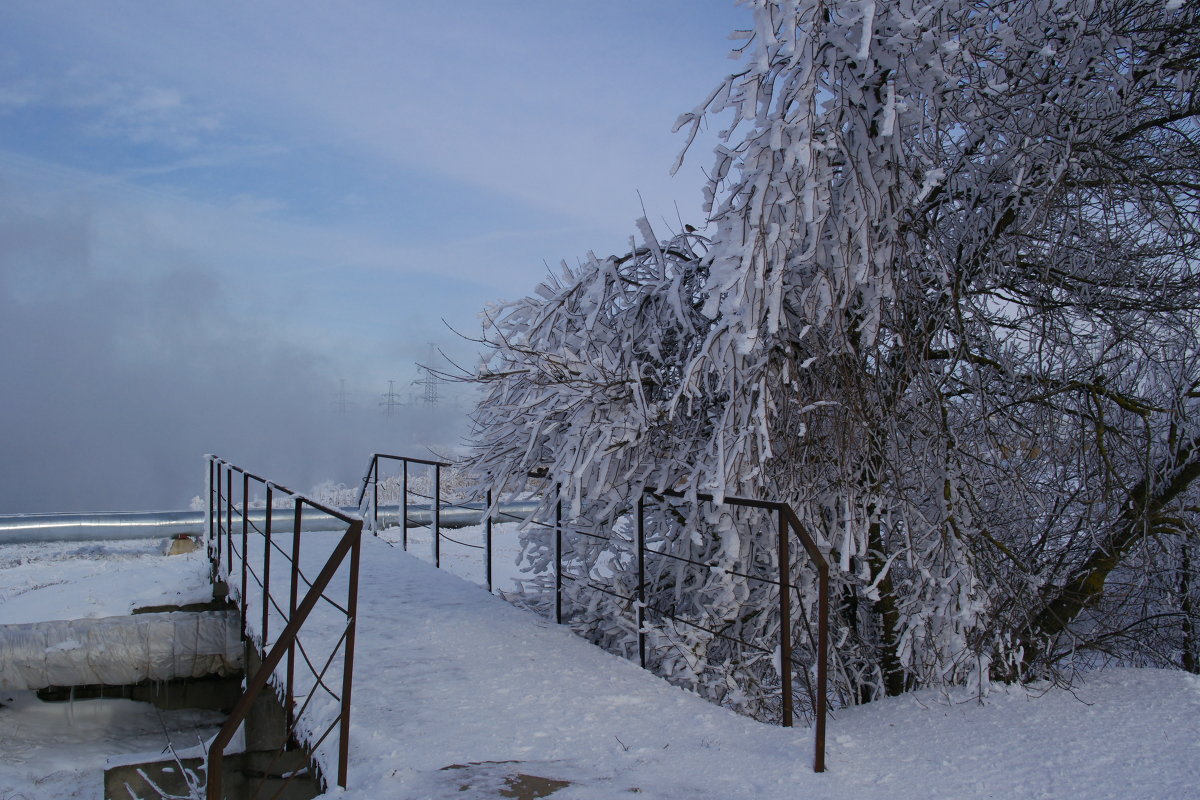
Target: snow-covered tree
{"points": [[949, 312]]}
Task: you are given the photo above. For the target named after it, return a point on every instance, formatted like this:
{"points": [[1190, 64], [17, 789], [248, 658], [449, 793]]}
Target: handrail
{"points": [[222, 544], [787, 523], [435, 503]]}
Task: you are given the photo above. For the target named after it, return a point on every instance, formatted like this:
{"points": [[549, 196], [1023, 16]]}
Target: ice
{"points": [[55, 751]]}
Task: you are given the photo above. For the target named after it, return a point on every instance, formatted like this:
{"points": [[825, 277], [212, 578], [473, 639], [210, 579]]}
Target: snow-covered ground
{"points": [[462, 552], [87, 580], [58, 750], [448, 675], [454, 676]]}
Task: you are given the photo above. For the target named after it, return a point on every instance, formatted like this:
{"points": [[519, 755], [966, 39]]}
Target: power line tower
{"points": [[429, 379], [391, 400], [341, 401]]}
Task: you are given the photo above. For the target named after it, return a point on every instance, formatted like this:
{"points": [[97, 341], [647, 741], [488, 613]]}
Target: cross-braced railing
{"points": [[245, 549]]}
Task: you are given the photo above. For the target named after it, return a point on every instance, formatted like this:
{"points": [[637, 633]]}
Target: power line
{"points": [[430, 379]]}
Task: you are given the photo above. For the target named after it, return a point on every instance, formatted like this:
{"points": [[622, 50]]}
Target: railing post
{"points": [[213, 789], [404, 507], [785, 619], [558, 553], [228, 523], [266, 601], [220, 512], [208, 509], [822, 665], [291, 653], [435, 515], [213, 512], [348, 664], [487, 541], [245, 602], [375, 495], [641, 587]]}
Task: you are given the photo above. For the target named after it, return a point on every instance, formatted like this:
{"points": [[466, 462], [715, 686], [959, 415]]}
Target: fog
{"points": [[211, 214], [114, 383]]}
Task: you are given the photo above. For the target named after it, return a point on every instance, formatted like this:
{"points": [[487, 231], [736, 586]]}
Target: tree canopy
{"points": [[946, 307]]}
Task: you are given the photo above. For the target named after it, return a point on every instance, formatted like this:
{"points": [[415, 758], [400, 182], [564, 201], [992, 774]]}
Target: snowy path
{"points": [[446, 674]]}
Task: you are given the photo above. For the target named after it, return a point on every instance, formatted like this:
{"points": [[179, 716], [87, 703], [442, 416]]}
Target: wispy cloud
{"points": [[152, 115]]}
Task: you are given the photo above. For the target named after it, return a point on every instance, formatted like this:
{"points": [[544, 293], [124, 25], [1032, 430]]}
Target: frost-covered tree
{"points": [[949, 312]]}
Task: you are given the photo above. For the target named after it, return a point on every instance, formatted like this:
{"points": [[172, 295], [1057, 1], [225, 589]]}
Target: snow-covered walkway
{"points": [[447, 674]]}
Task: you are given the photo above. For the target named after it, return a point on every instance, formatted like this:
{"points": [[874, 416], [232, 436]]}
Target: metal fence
{"points": [[231, 531], [645, 601], [642, 602], [434, 509]]}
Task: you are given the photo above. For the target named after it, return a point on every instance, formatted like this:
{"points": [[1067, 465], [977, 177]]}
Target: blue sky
{"points": [[268, 197]]}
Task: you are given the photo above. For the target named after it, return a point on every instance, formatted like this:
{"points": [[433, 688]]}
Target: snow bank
{"points": [[58, 581]]}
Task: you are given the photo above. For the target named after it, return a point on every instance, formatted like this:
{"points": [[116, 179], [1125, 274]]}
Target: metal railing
{"points": [[369, 504], [230, 544], [433, 513], [787, 525]]}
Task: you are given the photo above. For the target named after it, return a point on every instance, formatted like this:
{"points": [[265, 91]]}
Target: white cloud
{"points": [[565, 107]]}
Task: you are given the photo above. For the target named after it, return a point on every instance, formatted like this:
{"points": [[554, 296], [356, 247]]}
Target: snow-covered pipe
{"points": [[118, 651], [83, 527]]}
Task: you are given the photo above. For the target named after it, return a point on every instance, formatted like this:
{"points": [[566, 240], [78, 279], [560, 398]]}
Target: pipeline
{"points": [[118, 651], [111, 525]]}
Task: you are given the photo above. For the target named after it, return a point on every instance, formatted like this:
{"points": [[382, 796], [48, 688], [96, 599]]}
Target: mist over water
{"points": [[114, 382], [211, 214]]}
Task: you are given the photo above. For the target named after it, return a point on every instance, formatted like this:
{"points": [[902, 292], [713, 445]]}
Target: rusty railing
{"points": [[787, 526], [229, 545], [370, 504]]}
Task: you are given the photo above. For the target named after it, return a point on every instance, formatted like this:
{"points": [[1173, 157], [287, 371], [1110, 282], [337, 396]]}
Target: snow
{"points": [[462, 552], [50, 751], [446, 674], [78, 580], [55, 751]]}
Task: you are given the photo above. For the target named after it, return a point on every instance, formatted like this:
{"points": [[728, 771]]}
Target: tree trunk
{"points": [[888, 617], [1187, 608], [1086, 585]]}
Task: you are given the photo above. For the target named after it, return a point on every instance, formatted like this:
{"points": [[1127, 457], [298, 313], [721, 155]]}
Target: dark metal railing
{"points": [[229, 543], [370, 506], [787, 526], [371, 510]]}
